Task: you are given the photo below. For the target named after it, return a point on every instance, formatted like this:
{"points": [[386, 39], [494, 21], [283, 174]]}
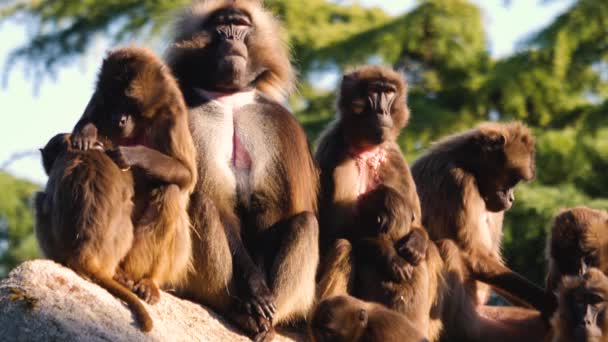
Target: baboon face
{"points": [[221, 49], [506, 158], [372, 106], [128, 83], [585, 306], [229, 53], [339, 319]]}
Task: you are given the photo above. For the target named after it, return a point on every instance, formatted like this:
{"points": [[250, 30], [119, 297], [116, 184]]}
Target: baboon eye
{"points": [[594, 299]]}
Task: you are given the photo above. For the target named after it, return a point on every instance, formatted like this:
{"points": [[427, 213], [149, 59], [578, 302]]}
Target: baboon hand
{"points": [[123, 156], [85, 139], [399, 270], [260, 300], [413, 247]]}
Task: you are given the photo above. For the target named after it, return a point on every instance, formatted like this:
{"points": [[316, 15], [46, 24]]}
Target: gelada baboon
{"points": [[578, 240], [358, 151], [465, 183], [138, 110], [256, 241], [83, 217], [582, 314], [373, 211], [347, 319]]}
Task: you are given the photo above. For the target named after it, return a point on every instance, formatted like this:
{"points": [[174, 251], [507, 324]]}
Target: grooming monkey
{"points": [[253, 209], [83, 217], [465, 183], [138, 112]]}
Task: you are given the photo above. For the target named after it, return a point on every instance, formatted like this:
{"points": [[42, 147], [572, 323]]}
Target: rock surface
{"points": [[44, 301]]}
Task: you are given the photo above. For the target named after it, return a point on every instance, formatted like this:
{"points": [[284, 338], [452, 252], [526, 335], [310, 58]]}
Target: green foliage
{"points": [[557, 83], [17, 241]]}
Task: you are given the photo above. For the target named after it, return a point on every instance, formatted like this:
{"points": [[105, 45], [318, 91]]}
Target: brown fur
{"points": [[256, 241], [344, 318], [268, 45], [463, 320], [380, 223], [83, 217], [339, 172], [161, 152], [578, 240], [587, 293], [465, 183]]}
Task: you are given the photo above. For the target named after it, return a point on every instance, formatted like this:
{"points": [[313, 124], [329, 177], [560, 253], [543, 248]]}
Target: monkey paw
{"points": [[121, 277], [147, 290], [257, 327], [400, 270], [413, 248], [120, 157], [84, 141], [259, 301]]}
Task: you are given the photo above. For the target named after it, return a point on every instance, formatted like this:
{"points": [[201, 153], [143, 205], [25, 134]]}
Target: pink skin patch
{"points": [[241, 160], [368, 164]]}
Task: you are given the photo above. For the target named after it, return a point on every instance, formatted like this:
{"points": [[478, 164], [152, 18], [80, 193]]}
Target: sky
{"points": [[31, 119]]}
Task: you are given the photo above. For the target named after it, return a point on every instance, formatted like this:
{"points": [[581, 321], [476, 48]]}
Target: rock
{"points": [[44, 301]]}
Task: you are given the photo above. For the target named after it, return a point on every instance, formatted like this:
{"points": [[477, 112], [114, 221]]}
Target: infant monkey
{"points": [[83, 217], [345, 318]]}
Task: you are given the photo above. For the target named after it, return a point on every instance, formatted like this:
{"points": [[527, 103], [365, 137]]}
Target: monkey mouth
{"points": [[583, 332]]}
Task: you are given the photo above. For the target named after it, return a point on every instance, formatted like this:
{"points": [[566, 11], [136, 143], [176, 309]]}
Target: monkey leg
{"points": [[294, 266], [336, 270], [211, 280]]}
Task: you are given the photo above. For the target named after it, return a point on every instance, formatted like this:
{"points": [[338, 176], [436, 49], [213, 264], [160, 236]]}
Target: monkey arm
{"points": [[413, 247], [254, 294], [381, 252], [156, 165], [489, 270]]}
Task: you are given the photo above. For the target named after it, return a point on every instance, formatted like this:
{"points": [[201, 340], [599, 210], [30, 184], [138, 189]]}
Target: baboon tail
{"points": [[133, 302]]}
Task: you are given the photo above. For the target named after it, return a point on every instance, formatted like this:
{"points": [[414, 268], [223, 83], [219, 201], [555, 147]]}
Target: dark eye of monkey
{"points": [[380, 96]]}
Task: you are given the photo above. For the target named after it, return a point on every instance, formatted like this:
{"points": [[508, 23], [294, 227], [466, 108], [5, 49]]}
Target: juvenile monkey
{"points": [[347, 319], [83, 217], [395, 263], [138, 111]]}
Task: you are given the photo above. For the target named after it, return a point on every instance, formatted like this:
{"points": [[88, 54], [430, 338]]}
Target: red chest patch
{"points": [[241, 159], [368, 166]]}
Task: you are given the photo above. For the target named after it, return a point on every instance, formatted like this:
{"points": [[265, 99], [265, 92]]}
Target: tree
{"points": [[557, 83], [17, 241]]}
